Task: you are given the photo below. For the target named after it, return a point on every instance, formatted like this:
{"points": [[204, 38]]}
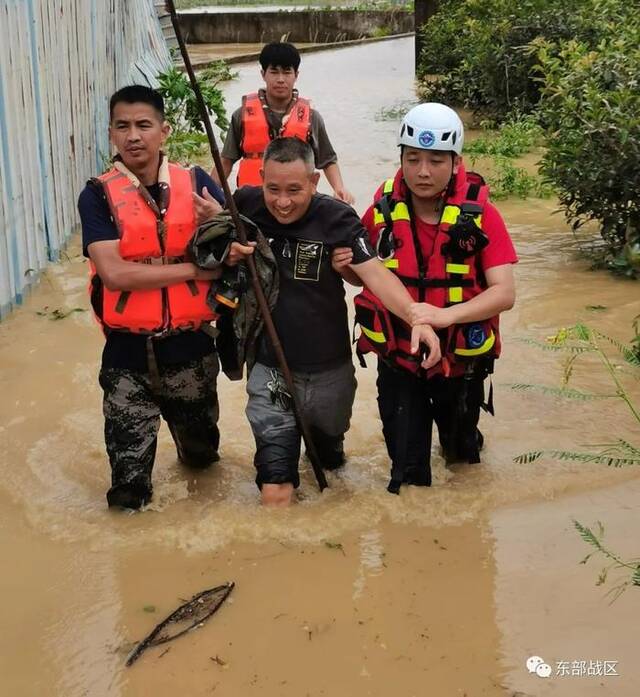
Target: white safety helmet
{"points": [[432, 126]]}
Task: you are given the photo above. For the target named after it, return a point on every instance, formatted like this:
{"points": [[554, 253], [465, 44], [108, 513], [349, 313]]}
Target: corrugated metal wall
{"points": [[60, 60]]}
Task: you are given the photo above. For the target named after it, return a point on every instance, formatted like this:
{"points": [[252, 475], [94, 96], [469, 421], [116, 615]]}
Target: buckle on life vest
{"points": [[385, 244]]}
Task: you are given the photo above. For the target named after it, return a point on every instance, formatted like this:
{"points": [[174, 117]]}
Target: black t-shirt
{"points": [[126, 350], [311, 314]]}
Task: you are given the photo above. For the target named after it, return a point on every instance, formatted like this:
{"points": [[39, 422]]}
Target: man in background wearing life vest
{"points": [[278, 111], [433, 226], [158, 359]]}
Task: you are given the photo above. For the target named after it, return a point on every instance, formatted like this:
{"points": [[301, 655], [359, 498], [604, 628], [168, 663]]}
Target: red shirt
{"points": [[499, 251]]}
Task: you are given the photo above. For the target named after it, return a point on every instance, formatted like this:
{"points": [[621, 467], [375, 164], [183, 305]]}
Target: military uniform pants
{"points": [[187, 400], [326, 399], [409, 405]]}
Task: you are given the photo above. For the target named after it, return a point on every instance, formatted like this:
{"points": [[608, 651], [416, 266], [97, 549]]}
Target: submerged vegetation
{"points": [[631, 567], [620, 452], [575, 342]]}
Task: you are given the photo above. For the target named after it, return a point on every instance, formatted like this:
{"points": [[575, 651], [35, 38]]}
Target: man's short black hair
{"points": [[133, 94], [280, 55], [290, 150]]}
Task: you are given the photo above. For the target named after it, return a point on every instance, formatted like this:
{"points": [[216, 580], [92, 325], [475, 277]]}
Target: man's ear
{"points": [[262, 173], [315, 178], [457, 161], [166, 131]]}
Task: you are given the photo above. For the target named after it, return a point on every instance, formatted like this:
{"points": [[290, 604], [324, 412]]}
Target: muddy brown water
{"points": [[442, 592]]}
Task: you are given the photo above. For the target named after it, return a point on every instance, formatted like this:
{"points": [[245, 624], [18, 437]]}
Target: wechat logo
{"points": [[536, 665]]}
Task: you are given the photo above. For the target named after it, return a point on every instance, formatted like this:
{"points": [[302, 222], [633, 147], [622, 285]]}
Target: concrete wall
{"points": [[317, 26]]}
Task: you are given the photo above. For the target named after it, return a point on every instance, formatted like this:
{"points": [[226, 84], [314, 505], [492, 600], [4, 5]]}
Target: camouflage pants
{"points": [[187, 400], [326, 399]]}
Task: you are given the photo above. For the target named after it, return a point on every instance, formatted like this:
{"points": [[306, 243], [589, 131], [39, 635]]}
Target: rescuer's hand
{"points": [[423, 313], [239, 252], [206, 206], [341, 257], [424, 334], [344, 195]]}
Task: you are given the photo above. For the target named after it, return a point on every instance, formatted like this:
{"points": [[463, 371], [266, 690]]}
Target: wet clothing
{"points": [[409, 402], [186, 398], [122, 349], [408, 405], [311, 320], [323, 151], [311, 314], [232, 295], [144, 378], [326, 399]]}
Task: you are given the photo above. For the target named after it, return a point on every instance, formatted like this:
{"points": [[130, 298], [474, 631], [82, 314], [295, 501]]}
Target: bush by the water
{"points": [[188, 139], [591, 107], [476, 51], [576, 67]]}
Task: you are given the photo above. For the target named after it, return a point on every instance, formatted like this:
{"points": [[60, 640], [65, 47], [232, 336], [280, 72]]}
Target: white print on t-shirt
{"points": [[308, 259], [363, 246]]}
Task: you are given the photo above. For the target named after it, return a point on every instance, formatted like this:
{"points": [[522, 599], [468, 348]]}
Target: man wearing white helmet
{"points": [[433, 226]]}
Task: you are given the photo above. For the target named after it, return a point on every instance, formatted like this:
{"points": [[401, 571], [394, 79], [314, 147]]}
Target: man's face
{"points": [[138, 132], [288, 189], [279, 82], [427, 172]]}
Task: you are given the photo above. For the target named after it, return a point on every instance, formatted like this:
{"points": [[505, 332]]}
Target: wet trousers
{"points": [[326, 398], [409, 405], [132, 405]]}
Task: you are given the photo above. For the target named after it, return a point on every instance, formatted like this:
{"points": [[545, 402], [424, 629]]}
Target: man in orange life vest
{"points": [[276, 111], [433, 226], [159, 358]]}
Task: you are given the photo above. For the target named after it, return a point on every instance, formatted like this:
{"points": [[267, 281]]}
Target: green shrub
{"points": [[188, 140], [591, 107], [477, 51], [508, 179], [513, 139]]}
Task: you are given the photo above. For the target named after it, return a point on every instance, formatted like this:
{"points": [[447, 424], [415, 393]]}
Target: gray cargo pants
{"points": [[187, 400], [326, 399]]}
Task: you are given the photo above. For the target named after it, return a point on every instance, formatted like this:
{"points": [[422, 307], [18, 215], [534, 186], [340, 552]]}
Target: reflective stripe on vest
{"points": [[448, 280], [144, 238], [256, 135]]}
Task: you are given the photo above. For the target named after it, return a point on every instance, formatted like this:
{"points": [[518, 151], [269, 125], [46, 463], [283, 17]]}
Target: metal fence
{"points": [[60, 60]]}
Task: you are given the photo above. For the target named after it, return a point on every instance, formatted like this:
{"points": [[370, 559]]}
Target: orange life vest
{"points": [[256, 133], [452, 274], [149, 237]]}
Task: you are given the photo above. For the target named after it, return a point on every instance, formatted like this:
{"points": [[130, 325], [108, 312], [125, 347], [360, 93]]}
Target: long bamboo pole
{"points": [[242, 235]]}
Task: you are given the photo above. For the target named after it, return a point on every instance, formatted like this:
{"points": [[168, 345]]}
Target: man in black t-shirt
{"points": [[310, 316], [151, 302]]}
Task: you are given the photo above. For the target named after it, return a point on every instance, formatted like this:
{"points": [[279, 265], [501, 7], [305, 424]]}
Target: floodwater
{"points": [[443, 591]]}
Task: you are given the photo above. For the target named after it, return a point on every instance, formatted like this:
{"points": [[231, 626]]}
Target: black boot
{"points": [[132, 494]]}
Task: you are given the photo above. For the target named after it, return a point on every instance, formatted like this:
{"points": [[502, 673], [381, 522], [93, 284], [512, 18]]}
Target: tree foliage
{"points": [[590, 104]]}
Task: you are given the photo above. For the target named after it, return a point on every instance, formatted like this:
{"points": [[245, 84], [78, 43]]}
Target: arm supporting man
{"points": [[499, 296], [119, 274], [396, 298]]}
